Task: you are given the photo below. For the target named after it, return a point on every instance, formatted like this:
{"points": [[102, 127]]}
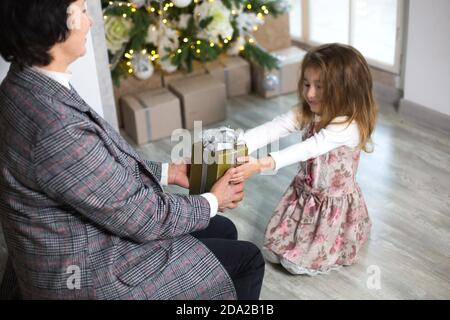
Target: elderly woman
{"points": [[84, 216]]}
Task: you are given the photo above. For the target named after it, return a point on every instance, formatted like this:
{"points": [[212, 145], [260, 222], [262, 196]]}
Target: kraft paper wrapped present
{"points": [[274, 34], [130, 86], [215, 69], [215, 153], [203, 98], [282, 81], [234, 71], [151, 115], [237, 76], [197, 70]]}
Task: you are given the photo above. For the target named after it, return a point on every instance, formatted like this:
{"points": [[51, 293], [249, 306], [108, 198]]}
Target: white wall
{"points": [[427, 72], [3, 68], [85, 78]]}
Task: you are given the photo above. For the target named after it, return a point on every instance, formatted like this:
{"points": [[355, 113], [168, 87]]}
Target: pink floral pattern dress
{"points": [[321, 221]]}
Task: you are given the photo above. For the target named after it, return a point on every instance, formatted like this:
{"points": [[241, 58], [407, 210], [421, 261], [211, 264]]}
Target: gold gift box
{"points": [[204, 174]]}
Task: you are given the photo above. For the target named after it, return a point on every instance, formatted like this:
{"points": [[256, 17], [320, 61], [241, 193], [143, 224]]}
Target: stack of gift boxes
{"points": [[175, 100], [275, 37], [152, 109]]}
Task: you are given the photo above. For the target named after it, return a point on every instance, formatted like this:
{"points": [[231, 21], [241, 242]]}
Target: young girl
{"points": [[321, 221]]}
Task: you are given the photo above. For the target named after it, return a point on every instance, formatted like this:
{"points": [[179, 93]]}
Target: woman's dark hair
{"points": [[30, 28]]}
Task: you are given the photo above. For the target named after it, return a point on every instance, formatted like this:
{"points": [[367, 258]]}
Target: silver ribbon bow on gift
{"points": [[215, 140]]}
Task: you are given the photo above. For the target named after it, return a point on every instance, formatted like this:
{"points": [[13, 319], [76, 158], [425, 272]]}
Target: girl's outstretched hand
{"points": [[249, 166]]}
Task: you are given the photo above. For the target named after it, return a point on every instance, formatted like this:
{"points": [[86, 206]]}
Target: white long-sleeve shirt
{"points": [[333, 136], [64, 79]]}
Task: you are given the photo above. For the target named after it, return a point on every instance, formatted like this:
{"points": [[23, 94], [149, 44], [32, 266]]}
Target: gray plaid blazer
{"points": [[84, 216]]}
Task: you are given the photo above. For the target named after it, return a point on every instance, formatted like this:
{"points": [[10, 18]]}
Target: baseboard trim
{"points": [[424, 116], [385, 93]]}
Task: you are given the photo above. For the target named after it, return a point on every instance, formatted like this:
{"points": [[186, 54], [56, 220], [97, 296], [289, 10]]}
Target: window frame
{"points": [[398, 54]]}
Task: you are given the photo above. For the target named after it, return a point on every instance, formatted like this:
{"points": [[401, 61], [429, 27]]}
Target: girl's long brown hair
{"points": [[346, 89]]}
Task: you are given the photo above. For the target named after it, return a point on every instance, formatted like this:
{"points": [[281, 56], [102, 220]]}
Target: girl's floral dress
{"points": [[321, 221]]}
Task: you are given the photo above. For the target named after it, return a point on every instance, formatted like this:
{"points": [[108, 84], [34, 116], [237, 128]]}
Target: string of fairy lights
{"points": [[163, 9]]}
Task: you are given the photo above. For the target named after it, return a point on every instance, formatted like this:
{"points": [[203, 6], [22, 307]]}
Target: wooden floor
{"points": [[406, 184]]}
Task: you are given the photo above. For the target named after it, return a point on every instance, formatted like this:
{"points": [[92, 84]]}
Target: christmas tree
{"points": [[171, 34]]}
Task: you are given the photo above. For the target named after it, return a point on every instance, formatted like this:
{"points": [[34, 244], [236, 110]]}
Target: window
{"points": [[328, 21], [372, 26]]}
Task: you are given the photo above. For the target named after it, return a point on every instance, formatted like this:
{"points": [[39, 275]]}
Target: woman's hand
{"points": [[250, 166], [228, 194]]}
